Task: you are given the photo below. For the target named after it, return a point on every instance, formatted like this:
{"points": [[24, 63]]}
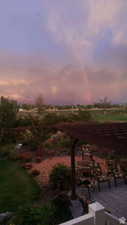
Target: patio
{"points": [[114, 199]]}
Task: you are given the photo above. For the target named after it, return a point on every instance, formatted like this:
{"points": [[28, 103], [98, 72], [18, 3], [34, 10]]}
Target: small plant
{"points": [[27, 166], [62, 205], [62, 200], [60, 177], [25, 156], [35, 172], [8, 151], [38, 159]]}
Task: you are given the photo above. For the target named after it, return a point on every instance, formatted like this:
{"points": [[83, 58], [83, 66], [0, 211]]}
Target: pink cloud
{"points": [[66, 84]]}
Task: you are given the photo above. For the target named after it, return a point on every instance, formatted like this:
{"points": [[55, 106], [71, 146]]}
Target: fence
{"points": [[96, 216]]}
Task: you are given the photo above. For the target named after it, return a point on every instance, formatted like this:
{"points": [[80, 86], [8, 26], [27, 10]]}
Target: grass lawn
{"points": [[110, 117], [17, 188]]}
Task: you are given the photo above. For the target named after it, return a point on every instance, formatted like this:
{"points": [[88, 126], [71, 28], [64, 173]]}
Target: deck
{"points": [[113, 199]]}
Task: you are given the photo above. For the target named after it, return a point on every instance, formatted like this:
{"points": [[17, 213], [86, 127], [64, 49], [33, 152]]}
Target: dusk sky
{"points": [[70, 51]]}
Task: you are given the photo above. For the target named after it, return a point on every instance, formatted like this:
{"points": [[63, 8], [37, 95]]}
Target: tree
{"points": [[39, 102], [103, 103], [37, 134], [8, 114], [27, 106]]}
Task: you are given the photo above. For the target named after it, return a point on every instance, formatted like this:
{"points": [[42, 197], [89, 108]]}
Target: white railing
{"points": [[96, 216]]}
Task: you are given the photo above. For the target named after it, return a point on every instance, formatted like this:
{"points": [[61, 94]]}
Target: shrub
{"points": [[35, 172], [25, 156], [38, 159], [27, 166], [62, 208], [60, 177], [84, 116], [35, 216], [49, 214], [61, 200], [8, 151]]}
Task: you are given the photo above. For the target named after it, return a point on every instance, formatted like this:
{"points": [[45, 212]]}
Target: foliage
{"points": [[35, 216], [60, 177], [39, 103], [34, 136], [35, 172], [17, 187], [84, 116], [26, 106], [103, 103], [25, 156], [58, 142], [64, 142], [27, 165], [53, 118], [27, 136], [8, 151], [48, 214], [23, 122], [8, 116], [62, 205], [8, 112], [38, 158], [39, 133]]}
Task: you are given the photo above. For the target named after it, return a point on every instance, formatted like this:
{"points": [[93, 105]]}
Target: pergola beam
{"points": [[73, 171]]}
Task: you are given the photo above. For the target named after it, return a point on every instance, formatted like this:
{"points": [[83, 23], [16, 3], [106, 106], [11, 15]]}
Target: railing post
{"points": [[98, 211]]}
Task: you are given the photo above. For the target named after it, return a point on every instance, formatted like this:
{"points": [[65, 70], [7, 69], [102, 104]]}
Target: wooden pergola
{"points": [[109, 135]]}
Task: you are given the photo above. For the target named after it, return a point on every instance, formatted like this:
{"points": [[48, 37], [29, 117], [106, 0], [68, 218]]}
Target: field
{"points": [[110, 116], [17, 188]]}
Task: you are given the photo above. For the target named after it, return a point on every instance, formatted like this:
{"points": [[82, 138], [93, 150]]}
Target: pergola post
{"points": [[73, 173]]}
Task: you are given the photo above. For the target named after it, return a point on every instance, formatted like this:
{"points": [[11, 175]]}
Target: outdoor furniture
{"points": [[103, 179], [123, 168], [87, 184], [114, 170]]}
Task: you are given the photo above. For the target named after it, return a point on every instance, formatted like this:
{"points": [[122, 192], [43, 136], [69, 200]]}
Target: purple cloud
{"points": [[70, 51]]}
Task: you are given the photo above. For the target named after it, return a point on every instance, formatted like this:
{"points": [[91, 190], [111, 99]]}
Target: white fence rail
{"points": [[96, 216]]}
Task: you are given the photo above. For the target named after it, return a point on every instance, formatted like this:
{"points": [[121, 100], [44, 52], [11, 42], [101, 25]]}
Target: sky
{"points": [[71, 52]]}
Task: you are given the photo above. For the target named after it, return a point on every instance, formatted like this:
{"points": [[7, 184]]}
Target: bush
{"points": [[38, 159], [53, 213], [60, 177], [84, 116], [61, 200], [62, 208], [35, 216], [9, 151], [25, 156], [27, 166], [35, 172]]}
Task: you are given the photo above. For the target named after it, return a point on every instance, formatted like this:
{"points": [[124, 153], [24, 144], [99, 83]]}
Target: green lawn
{"points": [[110, 117], [17, 188]]}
